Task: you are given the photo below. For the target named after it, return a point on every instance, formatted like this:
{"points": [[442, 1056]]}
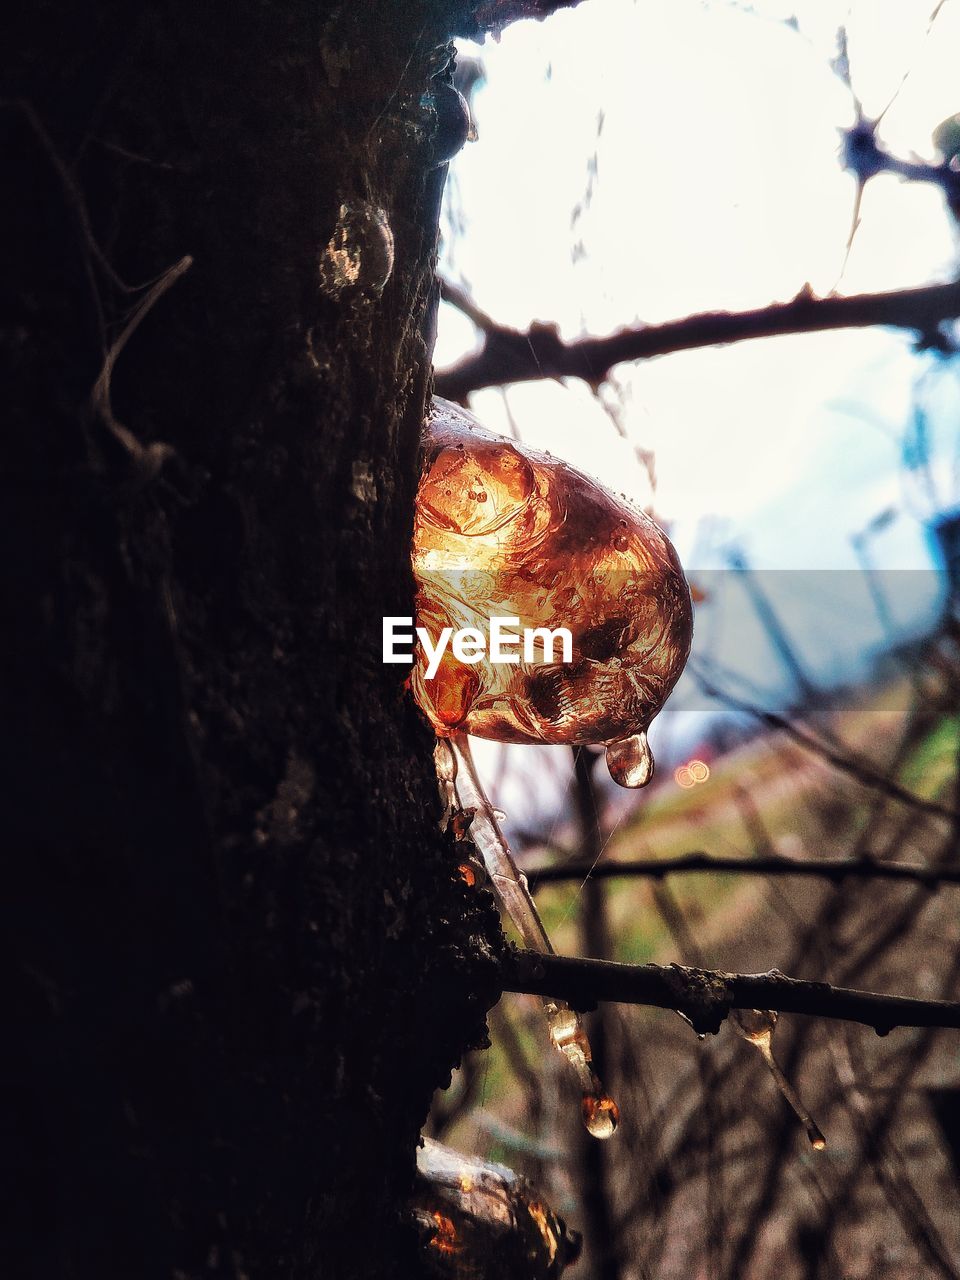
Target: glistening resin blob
{"points": [[503, 530]]}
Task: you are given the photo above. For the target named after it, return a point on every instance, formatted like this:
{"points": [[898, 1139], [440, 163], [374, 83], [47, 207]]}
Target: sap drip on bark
{"points": [[505, 531], [458, 777], [480, 1219]]}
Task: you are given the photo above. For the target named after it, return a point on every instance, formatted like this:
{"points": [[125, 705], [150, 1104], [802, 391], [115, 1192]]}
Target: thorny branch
{"points": [[834, 869], [509, 355], [706, 996], [496, 14]]}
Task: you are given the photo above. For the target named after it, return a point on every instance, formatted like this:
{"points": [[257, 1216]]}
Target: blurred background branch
{"points": [[836, 870]]}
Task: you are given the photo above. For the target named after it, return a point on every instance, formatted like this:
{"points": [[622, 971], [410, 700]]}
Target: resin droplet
{"points": [[566, 1031], [757, 1026], [630, 761], [510, 886], [599, 1111], [447, 114], [601, 1115]]}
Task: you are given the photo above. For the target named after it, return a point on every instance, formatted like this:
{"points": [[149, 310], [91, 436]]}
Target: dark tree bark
{"points": [[240, 956]]}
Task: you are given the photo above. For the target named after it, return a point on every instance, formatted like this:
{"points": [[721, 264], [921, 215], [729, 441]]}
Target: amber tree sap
{"points": [[499, 644]]}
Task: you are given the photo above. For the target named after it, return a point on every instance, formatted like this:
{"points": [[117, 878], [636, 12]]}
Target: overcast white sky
{"points": [[717, 186]]}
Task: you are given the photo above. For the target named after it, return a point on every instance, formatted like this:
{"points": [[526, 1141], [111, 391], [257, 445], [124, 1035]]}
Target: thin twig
{"points": [[461, 300], [100, 401], [71, 190], [509, 355], [873, 1137]]}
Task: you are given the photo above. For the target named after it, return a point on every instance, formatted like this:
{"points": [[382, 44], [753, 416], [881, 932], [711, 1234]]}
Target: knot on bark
{"points": [[704, 997]]}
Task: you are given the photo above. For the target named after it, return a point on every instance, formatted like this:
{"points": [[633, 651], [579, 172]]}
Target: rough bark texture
{"points": [[241, 956]]}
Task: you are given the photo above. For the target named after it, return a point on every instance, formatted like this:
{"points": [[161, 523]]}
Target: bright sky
{"points": [[714, 132], [645, 161]]}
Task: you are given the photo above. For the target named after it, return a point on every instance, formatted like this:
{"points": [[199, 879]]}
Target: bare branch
{"points": [[496, 14], [833, 869], [509, 355], [462, 301], [707, 996]]}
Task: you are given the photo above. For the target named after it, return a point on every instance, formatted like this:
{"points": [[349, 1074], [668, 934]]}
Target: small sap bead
{"points": [[552, 548], [448, 120], [601, 1115], [566, 1030], [630, 761]]}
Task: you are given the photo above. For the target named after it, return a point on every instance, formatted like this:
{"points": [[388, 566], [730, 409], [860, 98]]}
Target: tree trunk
{"points": [[241, 954]]}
